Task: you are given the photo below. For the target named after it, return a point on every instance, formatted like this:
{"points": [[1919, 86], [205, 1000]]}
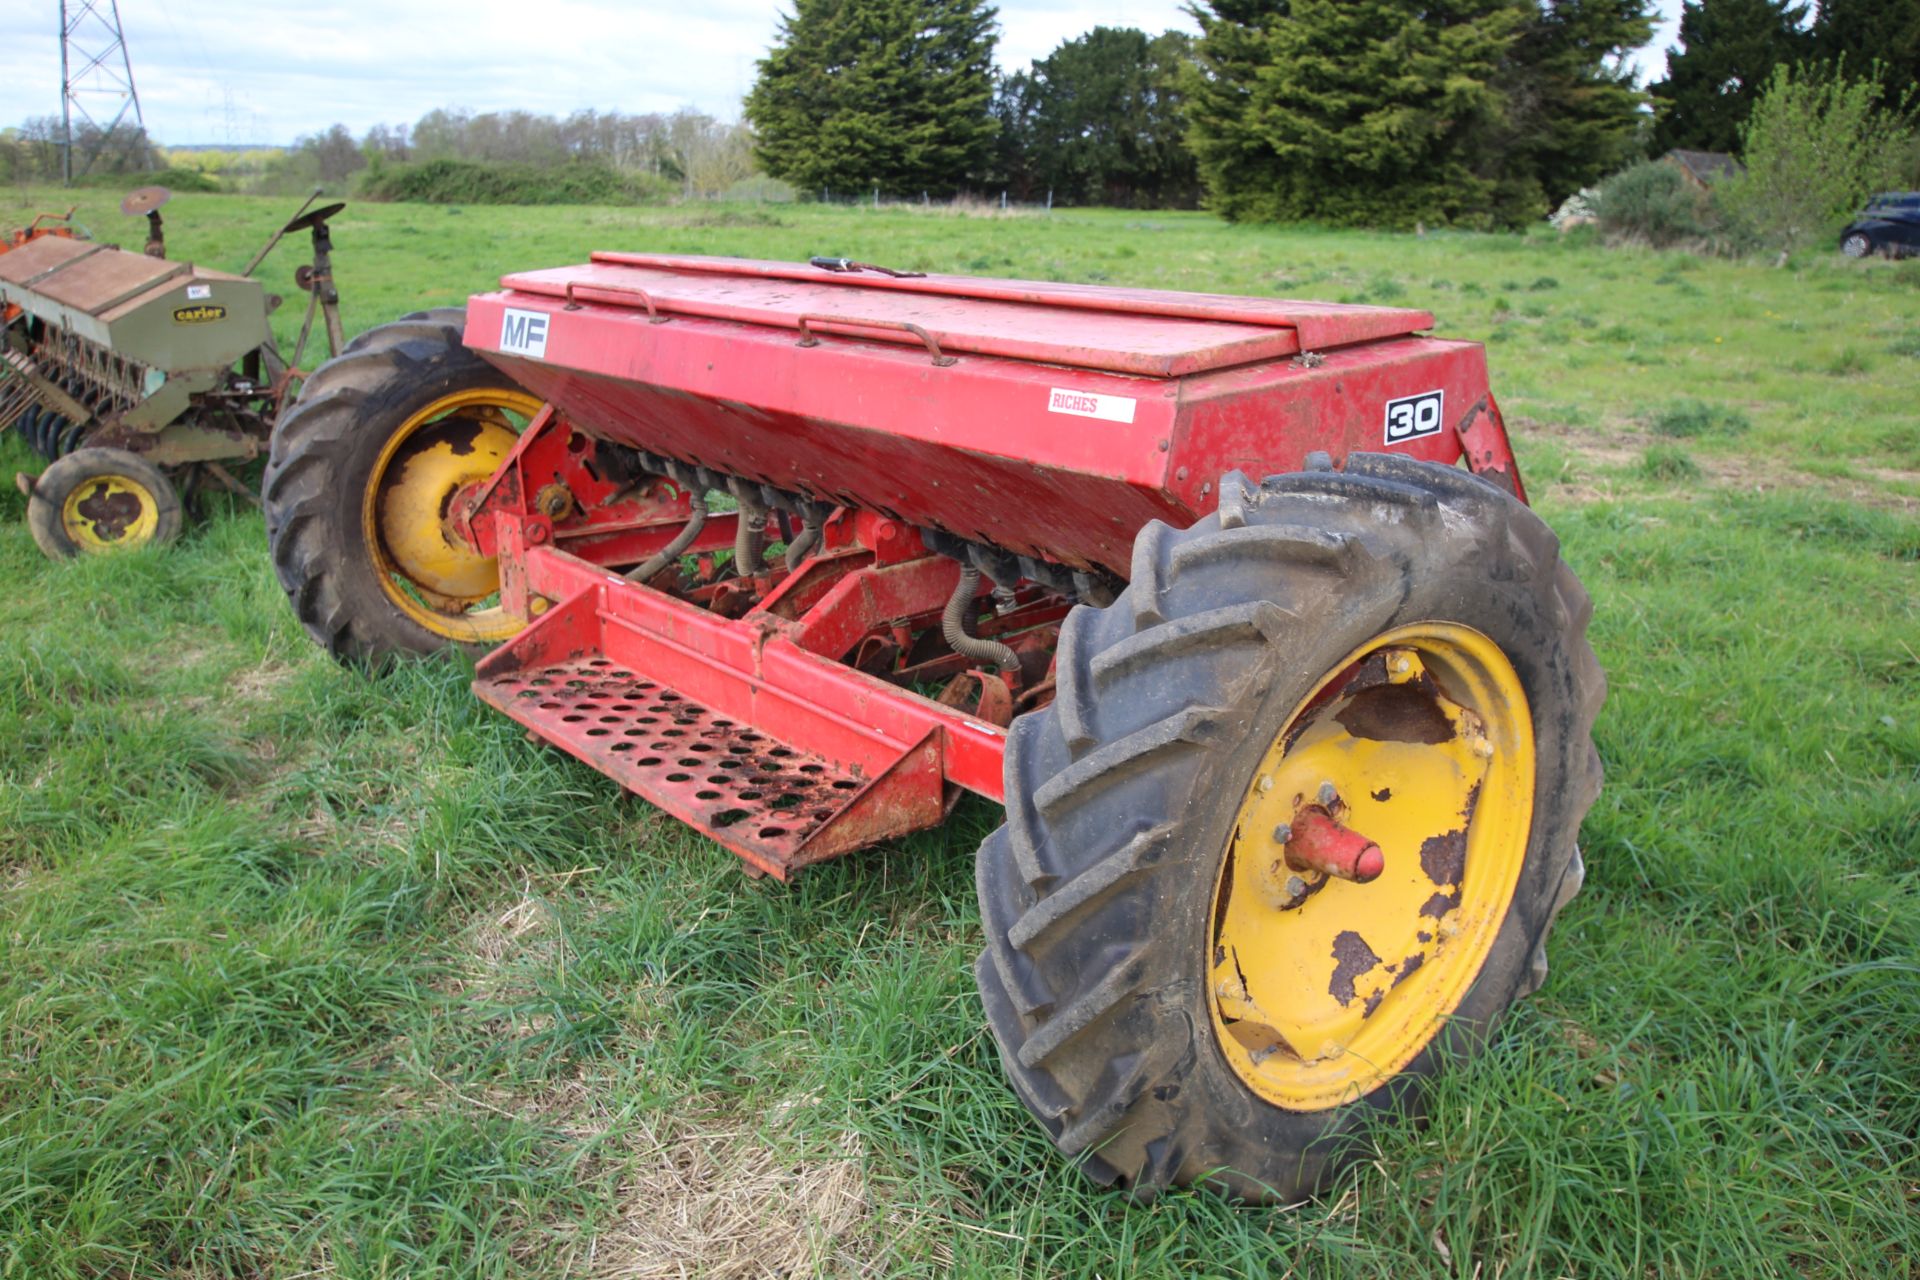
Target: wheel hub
{"points": [[416, 499], [436, 458], [107, 513], [1374, 859]]}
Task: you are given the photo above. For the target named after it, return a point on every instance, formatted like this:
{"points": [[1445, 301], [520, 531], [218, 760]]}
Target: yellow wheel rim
{"points": [[110, 513], [426, 569], [1323, 988]]}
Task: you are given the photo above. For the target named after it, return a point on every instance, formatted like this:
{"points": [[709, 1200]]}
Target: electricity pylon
{"points": [[94, 66]]}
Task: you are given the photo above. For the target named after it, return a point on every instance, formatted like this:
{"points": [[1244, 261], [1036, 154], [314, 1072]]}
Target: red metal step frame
{"points": [[618, 674]]}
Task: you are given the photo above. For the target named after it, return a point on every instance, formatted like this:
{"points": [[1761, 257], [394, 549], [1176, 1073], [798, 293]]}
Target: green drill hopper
{"points": [[140, 378]]}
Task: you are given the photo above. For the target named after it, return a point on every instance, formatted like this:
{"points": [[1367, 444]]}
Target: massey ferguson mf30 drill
{"points": [[1235, 604]]}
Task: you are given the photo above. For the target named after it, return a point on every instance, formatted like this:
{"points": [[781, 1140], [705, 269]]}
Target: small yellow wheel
{"points": [[98, 500]]}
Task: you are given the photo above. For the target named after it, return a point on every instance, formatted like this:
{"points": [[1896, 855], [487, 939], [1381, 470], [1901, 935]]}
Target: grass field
{"points": [[306, 973]]}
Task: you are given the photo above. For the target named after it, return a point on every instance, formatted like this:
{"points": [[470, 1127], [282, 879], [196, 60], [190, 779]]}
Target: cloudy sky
{"points": [[240, 72]]}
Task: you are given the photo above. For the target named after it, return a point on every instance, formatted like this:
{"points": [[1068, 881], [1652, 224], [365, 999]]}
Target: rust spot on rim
{"points": [[1396, 713], [1444, 857], [1353, 958], [460, 433]]}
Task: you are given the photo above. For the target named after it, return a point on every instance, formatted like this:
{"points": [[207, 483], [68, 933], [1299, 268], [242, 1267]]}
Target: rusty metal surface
{"points": [[761, 797], [42, 256], [98, 283], [573, 678]]}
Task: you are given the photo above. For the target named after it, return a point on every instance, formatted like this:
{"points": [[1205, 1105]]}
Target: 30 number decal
{"points": [[1412, 417]]}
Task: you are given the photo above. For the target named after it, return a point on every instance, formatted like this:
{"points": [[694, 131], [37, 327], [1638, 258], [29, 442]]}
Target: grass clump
{"points": [[1668, 463], [1686, 418], [1848, 362]]}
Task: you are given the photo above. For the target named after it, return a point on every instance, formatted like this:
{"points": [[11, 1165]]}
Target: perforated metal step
{"points": [[764, 799]]}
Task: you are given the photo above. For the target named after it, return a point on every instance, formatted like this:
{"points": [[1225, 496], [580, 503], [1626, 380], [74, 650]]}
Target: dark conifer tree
{"points": [[1571, 114], [893, 94], [1880, 38], [1105, 124], [1727, 50]]}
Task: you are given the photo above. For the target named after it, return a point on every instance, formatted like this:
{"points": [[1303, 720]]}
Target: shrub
{"points": [[1815, 146], [471, 182], [1653, 203]]}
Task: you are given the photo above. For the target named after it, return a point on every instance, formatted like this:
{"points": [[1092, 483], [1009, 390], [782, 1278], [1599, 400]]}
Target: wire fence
{"points": [[973, 203]]}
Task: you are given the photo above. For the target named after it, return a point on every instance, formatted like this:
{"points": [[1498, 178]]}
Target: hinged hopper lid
{"points": [[1132, 331]]}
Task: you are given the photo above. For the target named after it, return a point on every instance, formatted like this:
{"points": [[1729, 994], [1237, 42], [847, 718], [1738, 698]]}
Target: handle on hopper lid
{"points": [[808, 339], [627, 290]]}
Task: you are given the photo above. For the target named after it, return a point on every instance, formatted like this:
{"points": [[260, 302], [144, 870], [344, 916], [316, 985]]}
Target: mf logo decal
{"points": [[524, 332], [1411, 417], [205, 313]]}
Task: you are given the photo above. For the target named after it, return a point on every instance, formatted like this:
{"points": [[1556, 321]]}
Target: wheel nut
{"points": [[1282, 833], [1328, 794], [1296, 888]]}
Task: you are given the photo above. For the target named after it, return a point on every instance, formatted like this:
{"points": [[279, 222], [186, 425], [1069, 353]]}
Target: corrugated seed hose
{"points": [[953, 625], [748, 541], [696, 520], [802, 546]]}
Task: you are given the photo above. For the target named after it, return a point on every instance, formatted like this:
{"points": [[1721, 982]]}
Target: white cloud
{"points": [[218, 71]]}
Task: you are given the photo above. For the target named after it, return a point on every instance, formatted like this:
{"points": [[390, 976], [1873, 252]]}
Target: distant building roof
{"points": [[1705, 167]]}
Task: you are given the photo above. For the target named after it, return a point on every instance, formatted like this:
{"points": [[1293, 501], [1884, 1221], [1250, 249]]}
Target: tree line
{"points": [[687, 152], [1467, 112], [1481, 112], [1380, 112]]}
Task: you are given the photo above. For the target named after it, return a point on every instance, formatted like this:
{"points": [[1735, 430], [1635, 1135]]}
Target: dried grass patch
{"points": [[726, 1204]]}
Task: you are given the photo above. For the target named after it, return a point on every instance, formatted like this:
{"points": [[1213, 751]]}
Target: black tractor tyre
{"points": [[320, 461], [112, 514], [1097, 894]]}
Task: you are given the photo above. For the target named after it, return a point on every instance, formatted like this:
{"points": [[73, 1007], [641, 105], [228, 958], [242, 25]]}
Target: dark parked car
{"points": [[1890, 224]]}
